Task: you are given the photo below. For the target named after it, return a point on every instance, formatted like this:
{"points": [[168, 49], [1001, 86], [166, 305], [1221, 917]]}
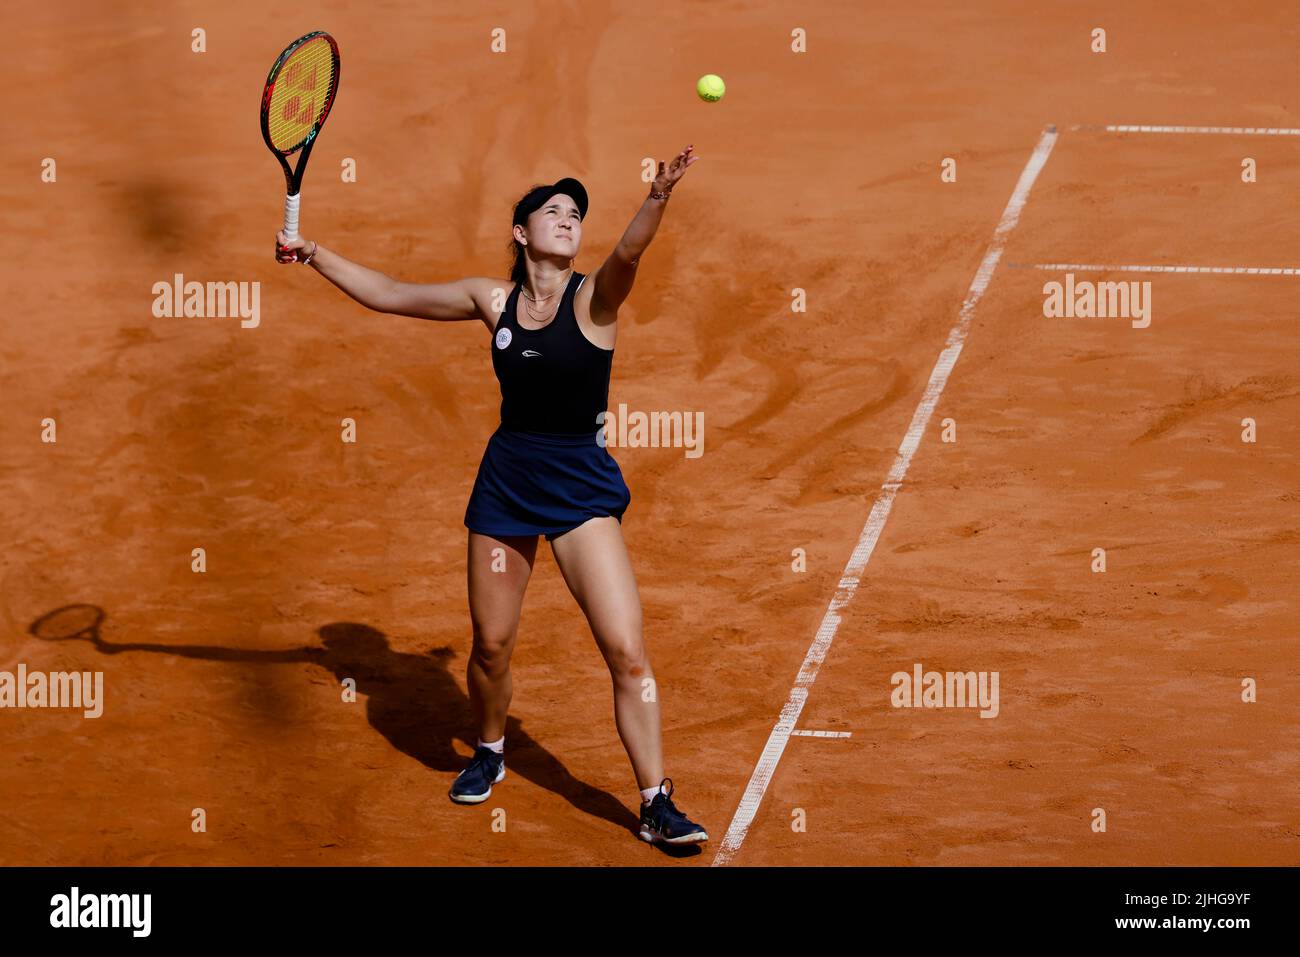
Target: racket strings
{"points": [[300, 95]]}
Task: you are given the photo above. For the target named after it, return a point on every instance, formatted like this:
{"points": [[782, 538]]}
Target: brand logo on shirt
{"points": [[503, 338], [530, 352]]}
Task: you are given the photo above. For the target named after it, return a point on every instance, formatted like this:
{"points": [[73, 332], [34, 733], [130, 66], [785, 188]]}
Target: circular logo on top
{"points": [[503, 338]]}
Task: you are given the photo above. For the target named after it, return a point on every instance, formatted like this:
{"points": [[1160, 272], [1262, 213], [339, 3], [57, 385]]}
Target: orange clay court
{"points": [[1120, 690]]}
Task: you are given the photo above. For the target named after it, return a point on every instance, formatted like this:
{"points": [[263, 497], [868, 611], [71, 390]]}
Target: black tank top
{"points": [[553, 379]]}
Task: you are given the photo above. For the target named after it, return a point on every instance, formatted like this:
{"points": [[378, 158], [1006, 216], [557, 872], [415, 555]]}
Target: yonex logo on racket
{"points": [[293, 109], [294, 112], [294, 73]]}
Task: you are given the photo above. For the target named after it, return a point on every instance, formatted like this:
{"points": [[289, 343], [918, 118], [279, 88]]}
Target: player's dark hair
{"points": [[518, 271]]}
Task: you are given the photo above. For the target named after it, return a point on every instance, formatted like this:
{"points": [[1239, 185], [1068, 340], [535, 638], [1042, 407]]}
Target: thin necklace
{"points": [[529, 313]]}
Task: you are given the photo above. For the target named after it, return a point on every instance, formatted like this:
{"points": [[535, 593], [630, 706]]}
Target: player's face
{"points": [[555, 229]]}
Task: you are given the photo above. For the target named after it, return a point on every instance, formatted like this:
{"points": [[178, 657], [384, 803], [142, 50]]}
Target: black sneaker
{"points": [[474, 784], [662, 822]]}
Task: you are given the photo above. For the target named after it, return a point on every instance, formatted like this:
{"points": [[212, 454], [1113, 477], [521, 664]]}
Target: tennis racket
{"points": [[299, 93]]}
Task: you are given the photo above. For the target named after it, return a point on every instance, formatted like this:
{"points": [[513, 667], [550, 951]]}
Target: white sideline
{"points": [[1223, 130], [1219, 270], [857, 564]]}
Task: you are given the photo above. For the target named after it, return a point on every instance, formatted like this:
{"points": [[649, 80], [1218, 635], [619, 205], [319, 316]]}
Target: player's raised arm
{"points": [[613, 280]]}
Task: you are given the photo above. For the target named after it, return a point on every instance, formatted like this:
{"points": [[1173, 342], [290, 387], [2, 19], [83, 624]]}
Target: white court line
{"points": [[1218, 270], [821, 734], [857, 565], [1221, 130]]}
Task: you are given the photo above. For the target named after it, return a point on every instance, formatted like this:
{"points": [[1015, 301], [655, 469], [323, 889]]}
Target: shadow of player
{"points": [[411, 699]]}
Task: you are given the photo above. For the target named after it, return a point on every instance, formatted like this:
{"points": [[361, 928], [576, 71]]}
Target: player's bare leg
{"points": [[499, 569], [596, 567]]}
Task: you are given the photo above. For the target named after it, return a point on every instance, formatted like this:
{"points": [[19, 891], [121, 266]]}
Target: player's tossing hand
{"points": [[667, 178]]}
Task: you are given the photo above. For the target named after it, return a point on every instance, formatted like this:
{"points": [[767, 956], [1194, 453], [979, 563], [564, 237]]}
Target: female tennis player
{"points": [[544, 472]]}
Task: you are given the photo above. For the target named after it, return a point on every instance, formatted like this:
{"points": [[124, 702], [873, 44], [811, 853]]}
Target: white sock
{"points": [[499, 745], [648, 794]]}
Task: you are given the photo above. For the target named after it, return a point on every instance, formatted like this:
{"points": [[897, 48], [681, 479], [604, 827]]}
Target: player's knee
{"points": [[627, 658], [491, 648]]}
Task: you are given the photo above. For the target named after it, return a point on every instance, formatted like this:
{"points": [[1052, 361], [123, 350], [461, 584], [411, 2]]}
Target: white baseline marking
{"points": [[1219, 130], [1218, 270], [857, 564], [821, 734]]}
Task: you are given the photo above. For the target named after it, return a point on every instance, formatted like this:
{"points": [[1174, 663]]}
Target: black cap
{"points": [[538, 195]]}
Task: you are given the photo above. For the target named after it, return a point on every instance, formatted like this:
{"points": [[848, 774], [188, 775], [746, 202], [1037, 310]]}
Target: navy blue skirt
{"points": [[534, 483]]}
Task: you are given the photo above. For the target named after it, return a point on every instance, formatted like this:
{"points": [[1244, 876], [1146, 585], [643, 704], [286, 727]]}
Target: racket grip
{"points": [[291, 216]]}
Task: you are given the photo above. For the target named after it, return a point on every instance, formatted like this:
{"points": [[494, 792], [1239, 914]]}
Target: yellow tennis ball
{"points": [[710, 87]]}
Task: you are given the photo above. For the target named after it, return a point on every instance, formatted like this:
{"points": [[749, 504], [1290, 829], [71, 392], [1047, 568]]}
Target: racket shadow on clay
{"points": [[411, 699], [82, 621], [69, 622]]}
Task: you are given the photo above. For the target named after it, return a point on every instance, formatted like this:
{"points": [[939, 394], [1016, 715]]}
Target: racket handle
{"points": [[291, 216]]}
